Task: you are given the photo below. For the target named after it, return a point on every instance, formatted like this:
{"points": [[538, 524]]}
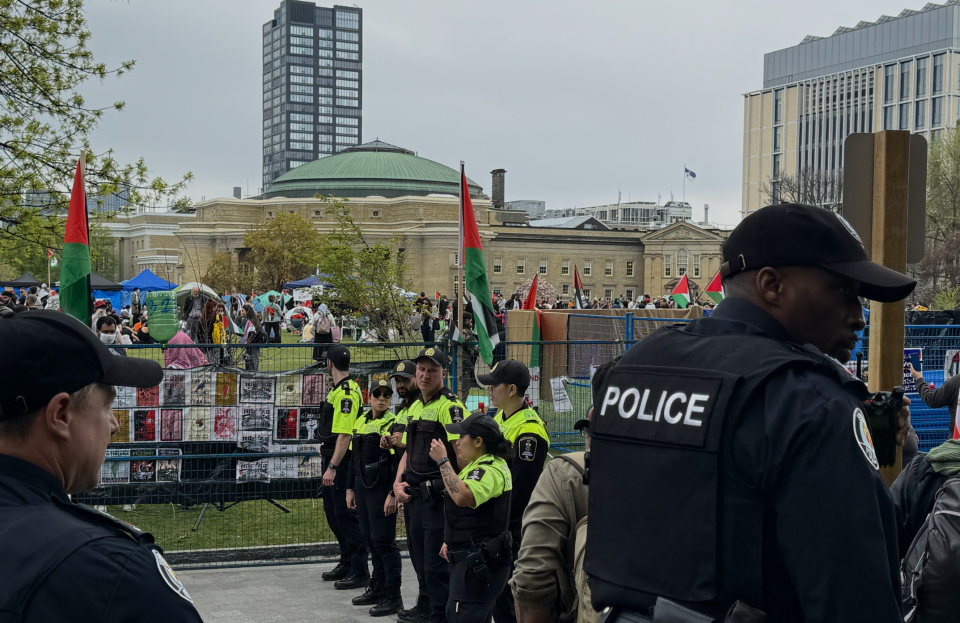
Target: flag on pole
{"points": [[75, 272], [681, 294], [436, 295], [690, 175], [579, 300], [530, 304], [475, 275], [715, 288], [531, 301]]}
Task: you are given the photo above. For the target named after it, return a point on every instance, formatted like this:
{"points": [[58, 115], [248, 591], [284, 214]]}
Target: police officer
{"points": [[741, 463], [370, 491], [419, 486], [62, 561], [508, 381], [337, 420], [476, 536]]}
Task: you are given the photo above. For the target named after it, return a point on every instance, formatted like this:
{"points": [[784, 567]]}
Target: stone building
{"points": [[394, 192]]}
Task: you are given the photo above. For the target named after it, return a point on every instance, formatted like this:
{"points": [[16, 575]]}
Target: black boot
{"points": [[339, 572], [390, 603], [352, 581], [417, 614], [372, 595]]}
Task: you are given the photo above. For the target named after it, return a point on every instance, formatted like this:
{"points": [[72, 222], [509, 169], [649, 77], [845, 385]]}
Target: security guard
{"points": [[734, 448], [508, 381], [337, 421], [404, 377], [62, 561], [370, 491], [419, 486], [476, 535]]}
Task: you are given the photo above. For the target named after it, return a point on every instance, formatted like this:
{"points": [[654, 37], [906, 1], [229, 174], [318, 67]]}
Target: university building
{"points": [[393, 192]]}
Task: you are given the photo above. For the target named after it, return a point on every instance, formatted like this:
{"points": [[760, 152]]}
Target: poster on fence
{"points": [[561, 401], [533, 391], [911, 356], [951, 364]]}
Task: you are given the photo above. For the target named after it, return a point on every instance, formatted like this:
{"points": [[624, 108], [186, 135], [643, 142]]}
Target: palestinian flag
{"points": [[75, 269], [715, 288], [530, 304], [475, 275], [579, 300], [681, 294]]}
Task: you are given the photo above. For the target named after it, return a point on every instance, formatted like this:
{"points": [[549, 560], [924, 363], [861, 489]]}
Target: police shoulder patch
{"points": [[861, 433], [456, 414], [346, 405], [527, 448], [169, 577], [475, 474]]}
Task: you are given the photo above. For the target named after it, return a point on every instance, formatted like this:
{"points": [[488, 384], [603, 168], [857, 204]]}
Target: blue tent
{"points": [[147, 282], [309, 282]]}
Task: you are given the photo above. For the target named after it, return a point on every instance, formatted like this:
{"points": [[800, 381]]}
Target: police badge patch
{"points": [[346, 405], [862, 434], [475, 474], [528, 449], [170, 578], [456, 414]]}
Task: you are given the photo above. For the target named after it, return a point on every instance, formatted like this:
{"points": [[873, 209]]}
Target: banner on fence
{"points": [[561, 401]]}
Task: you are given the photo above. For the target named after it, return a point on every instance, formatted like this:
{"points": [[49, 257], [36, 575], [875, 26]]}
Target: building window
{"points": [[936, 135], [920, 115], [667, 265], [681, 262], [343, 73], [629, 269], [608, 269], [608, 294], [565, 289], [905, 116], [889, 73], [375, 214], [318, 214], [696, 265], [936, 112], [497, 265], [921, 77], [348, 19], [775, 166], [347, 121], [629, 294], [888, 117], [565, 267], [777, 134], [905, 80], [587, 294], [777, 105], [587, 268], [543, 267], [937, 86], [497, 291], [456, 287], [520, 266]]}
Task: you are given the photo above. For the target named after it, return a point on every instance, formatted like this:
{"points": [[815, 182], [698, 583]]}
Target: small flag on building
{"points": [[75, 274], [715, 288], [579, 300], [475, 275], [681, 294], [690, 175]]}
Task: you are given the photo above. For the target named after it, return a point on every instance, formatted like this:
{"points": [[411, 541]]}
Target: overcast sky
{"points": [[575, 99]]}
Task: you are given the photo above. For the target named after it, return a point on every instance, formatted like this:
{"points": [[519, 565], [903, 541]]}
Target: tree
{"points": [[45, 121], [369, 278], [226, 273], [46, 232], [940, 267], [545, 290], [283, 249], [809, 187]]}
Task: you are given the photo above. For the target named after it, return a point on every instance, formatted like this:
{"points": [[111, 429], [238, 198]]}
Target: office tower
{"points": [[312, 76], [898, 73]]}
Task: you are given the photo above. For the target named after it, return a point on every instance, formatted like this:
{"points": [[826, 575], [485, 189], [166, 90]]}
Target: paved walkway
{"points": [[285, 594]]}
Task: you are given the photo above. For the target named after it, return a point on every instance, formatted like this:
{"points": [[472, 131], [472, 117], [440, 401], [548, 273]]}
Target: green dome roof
{"points": [[371, 169]]}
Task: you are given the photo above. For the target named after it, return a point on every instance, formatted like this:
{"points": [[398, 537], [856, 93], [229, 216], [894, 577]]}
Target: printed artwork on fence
{"points": [[224, 424], [309, 423], [142, 470], [313, 393], [282, 466], [256, 389], [148, 397], [255, 417], [123, 419], [201, 392], [253, 471], [173, 388], [171, 425], [126, 397], [226, 391], [168, 469], [286, 429], [308, 465], [254, 441], [144, 424], [288, 390], [115, 472], [197, 421]]}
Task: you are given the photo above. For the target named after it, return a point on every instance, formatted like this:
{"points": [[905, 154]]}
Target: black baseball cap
{"points": [[48, 352], [511, 372], [406, 368], [382, 387], [433, 354], [584, 422], [792, 234], [477, 425], [340, 356]]}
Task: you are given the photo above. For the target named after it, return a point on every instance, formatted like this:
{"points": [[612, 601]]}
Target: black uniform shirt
{"points": [[914, 492], [111, 577], [830, 537]]}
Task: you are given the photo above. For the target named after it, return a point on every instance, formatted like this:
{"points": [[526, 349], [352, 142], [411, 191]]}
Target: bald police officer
{"points": [[60, 561], [741, 461]]}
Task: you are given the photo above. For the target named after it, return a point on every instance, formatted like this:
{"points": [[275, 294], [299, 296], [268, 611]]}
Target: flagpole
{"points": [[684, 183], [49, 282], [86, 218], [462, 289]]}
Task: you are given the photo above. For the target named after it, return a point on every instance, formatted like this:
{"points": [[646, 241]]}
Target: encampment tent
{"points": [[309, 282], [23, 281], [104, 289], [147, 282]]}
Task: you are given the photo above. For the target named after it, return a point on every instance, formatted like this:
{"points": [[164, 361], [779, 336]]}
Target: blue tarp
{"points": [[147, 282], [309, 282], [118, 299]]}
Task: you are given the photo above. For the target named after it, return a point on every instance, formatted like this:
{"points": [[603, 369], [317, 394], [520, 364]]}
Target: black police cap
{"points": [[406, 369], [47, 352], [511, 372], [340, 356], [383, 387], [433, 354], [798, 235], [477, 425]]}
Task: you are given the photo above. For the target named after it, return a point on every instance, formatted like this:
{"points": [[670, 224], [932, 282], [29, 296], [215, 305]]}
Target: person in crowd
{"points": [[252, 335], [65, 561], [143, 332], [508, 381], [418, 484], [99, 311], [784, 422], [136, 302], [370, 492], [208, 321], [108, 333], [420, 301], [8, 298], [442, 305], [337, 422], [428, 323], [322, 323], [272, 314], [31, 302], [946, 395], [192, 312], [476, 535], [916, 487], [183, 358]]}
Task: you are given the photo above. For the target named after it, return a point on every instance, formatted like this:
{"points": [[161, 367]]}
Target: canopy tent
{"points": [[102, 283], [309, 282], [147, 282], [106, 290], [23, 281], [187, 289], [265, 297], [306, 312]]}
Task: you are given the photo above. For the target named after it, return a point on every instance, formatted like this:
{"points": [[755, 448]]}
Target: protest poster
{"points": [[115, 472], [911, 356], [224, 424], [256, 388], [123, 432], [201, 391], [254, 441], [142, 470], [168, 468], [171, 424], [197, 423], [288, 390], [226, 390], [173, 388], [255, 417], [533, 391], [145, 425], [561, 401], [253, 471]]}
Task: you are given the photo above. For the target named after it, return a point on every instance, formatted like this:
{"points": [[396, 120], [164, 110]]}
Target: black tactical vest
{"points": [[464, 525], [669, 515], [420, 434], [325, 430]]}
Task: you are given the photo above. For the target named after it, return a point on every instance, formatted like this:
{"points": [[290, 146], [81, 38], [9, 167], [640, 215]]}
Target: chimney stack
{"points": [[498, 188], [236, 192], [706, 214]]}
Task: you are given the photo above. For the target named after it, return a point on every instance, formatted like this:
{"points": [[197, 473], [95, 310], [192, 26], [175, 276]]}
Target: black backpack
{"points": [[930, 571]]}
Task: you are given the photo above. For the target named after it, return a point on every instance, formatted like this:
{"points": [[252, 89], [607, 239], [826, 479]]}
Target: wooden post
{"points": [[891, 156]]}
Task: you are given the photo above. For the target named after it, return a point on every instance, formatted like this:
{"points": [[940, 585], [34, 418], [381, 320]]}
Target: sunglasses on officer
{"points": [[379, 393]]}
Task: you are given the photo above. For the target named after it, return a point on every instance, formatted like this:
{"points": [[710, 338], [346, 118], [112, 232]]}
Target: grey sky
{"points": [[574, 99]]}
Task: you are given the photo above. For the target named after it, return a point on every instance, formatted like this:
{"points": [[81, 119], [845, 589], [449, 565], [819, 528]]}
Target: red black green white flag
{"points": [[681, 294], [578, 298], [475, 275], [75, 267], [715, 288], [530, 304]]}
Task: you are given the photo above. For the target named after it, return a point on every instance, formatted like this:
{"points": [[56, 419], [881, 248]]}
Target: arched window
{"points": [[681, 262]]}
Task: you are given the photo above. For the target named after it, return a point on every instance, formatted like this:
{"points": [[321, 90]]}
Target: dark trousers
{"points": [[379, 532], [343, 522], [429, 335], [472, 600], [272, 331], [503, 609], [425, 537]]}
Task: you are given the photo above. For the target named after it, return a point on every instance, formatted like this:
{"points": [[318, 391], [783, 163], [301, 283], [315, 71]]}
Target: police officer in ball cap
{"points": [[742, 461], [61, 561]]}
